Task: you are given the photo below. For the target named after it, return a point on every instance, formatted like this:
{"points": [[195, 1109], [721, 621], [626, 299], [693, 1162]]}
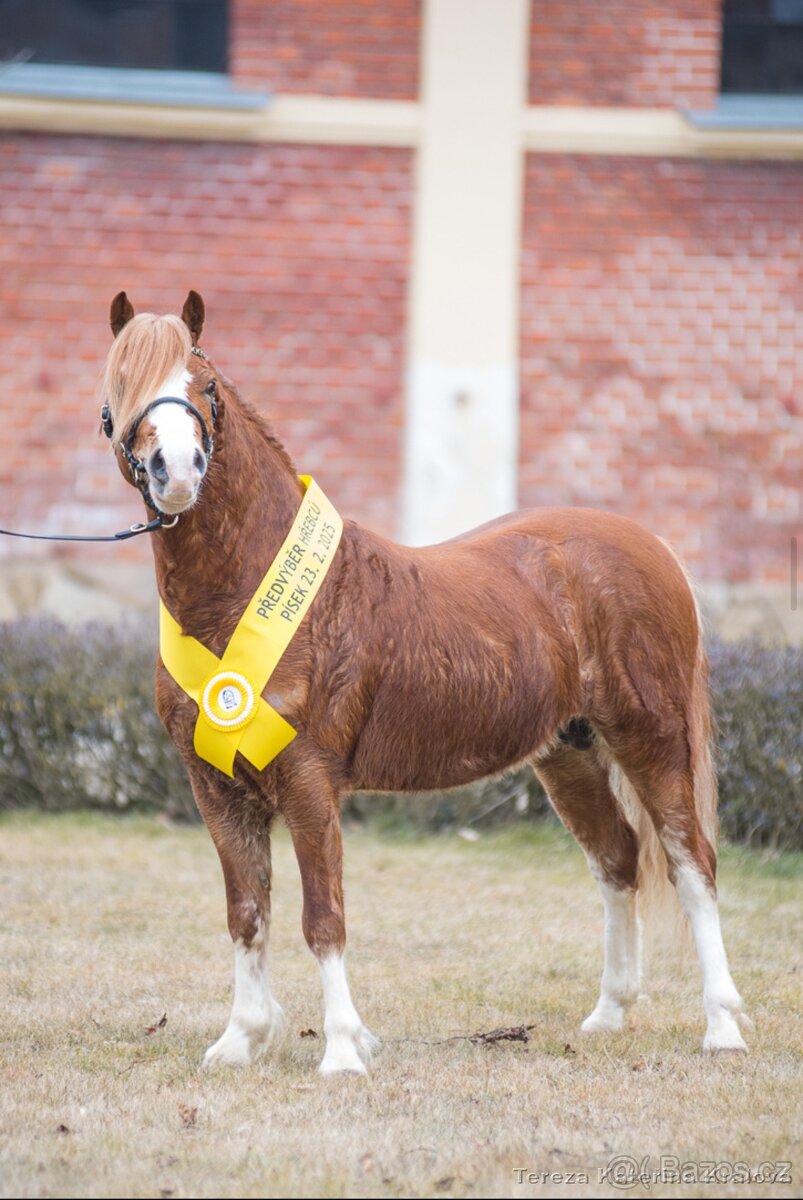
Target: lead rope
{"points": [[135, 466], [157, 523]]}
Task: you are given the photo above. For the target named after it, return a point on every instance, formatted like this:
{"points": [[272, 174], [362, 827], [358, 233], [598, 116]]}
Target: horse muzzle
{"points": [[175, 488]]}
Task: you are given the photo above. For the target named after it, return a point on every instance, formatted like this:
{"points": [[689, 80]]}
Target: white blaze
{"points": [[176, 434]]}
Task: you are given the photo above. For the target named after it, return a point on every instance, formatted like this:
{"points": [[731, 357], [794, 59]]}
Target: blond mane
{"points": [[145, 353]]}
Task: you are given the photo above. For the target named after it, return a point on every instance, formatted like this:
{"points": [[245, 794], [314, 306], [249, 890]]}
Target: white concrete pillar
{"points": [[461, 443]]}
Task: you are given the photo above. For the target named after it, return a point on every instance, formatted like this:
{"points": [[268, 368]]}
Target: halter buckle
{"points": [[158, 523]]}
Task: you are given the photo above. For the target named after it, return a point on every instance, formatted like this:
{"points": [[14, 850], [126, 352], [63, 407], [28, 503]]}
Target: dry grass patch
{"points": [[108, 924]]}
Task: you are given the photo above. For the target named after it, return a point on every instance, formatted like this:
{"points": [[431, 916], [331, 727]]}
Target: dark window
{"points": [[176, 35], [762, 47]]}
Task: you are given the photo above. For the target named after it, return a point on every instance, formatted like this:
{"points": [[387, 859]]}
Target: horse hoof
{"points": [[726, 1040], [609, 1021], [349, 1054], [233, 1049], [342, 1064], [239, 1046]]}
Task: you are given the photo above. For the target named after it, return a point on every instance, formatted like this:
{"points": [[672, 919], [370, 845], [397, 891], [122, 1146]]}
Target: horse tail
{"points": [[658, 903], [701, 738], [700, 730]]}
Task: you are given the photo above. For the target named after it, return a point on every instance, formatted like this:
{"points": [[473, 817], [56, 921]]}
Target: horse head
{"points": [[161, 402]]}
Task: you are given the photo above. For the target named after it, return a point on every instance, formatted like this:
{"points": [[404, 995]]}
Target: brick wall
{"points": [[301, 254], [331, 47], [662, 301], [662, 351], [631, 52]]}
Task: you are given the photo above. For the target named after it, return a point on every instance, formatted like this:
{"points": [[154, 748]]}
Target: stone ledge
{"points": [[73, 593]]}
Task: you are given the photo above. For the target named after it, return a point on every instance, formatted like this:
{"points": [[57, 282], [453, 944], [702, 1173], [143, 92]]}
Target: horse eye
{"points": [[211, 389]]}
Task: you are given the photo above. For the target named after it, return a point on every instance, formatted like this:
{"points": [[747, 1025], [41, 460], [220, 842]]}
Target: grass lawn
{"points": [[107, 924]]}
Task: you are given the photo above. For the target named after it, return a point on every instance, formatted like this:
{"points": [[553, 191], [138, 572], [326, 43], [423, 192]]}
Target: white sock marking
{"points": [[723, 1004], [348, 1042], [256, 1019], [621, 973]]}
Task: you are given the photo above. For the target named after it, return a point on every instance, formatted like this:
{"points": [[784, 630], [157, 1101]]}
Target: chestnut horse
{"points": [[568, 639]]}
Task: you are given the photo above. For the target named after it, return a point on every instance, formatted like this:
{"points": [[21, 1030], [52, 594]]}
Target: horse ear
{"points": [[121, 312], [192, 314]]}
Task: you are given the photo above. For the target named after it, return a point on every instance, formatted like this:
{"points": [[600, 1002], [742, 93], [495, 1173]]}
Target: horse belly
{"points": [[421, 738]]}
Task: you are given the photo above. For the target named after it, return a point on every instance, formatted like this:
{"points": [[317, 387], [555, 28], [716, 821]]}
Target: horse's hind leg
{"points": [[256, 1019], [579, 790], [679, 795], [313, 817]]}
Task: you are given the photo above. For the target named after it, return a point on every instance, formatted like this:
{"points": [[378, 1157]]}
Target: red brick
{"points": [[647, 387], [625, 52], [329, 47], [298, 309]]}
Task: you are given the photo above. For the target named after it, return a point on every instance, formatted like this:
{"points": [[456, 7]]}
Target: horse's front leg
{"points": [[314, 821], [256, 1019]]}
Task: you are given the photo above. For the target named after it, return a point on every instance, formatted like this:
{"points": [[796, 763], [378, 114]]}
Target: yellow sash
{"points": [[232, 715]]}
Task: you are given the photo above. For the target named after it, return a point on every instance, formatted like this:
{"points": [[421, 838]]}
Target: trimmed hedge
{"points": [[78, 723], [78, 729], [758, 702]]}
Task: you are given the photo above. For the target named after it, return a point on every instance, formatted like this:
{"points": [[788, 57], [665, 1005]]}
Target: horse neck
{"points": [[209, 565]]}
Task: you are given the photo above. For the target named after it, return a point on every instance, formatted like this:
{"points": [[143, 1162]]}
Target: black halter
{"points": [[139, 472]]}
